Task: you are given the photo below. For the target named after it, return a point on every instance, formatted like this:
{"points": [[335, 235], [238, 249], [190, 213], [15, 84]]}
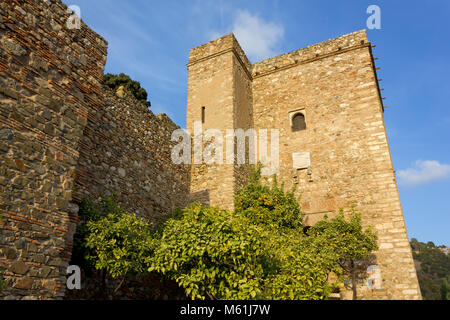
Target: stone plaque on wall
{"points": [[301, 160]]}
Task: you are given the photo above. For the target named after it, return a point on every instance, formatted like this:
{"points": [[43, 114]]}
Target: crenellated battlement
{"points": [[311, 53]]}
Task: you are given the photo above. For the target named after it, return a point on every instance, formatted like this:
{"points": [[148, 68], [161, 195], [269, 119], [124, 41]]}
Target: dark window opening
{"points": [[203, 114], [298, 122]]}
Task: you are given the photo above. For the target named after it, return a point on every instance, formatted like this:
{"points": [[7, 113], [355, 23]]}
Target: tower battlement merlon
{"points": [[222, 45], [311, 53]]}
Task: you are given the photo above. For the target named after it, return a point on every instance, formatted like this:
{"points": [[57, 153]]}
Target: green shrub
{"points": [[211, 253], [119, 243], [110, 239], [345, 243], [115, 81], [268, 205], [257, 251]]}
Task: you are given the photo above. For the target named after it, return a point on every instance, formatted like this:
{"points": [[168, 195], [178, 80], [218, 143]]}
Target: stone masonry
{"points": [[65, 137], [344, 154]]}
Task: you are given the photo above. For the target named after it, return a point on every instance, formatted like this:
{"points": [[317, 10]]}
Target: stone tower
{"points": [[219, 97], [325, 102]]}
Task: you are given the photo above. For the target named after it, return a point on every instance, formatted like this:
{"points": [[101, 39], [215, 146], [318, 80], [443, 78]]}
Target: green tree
{"points": [[115, 81], [211, 253], [111, 240], [268, 205], [257, 251], [119, 244], [89, 211], [347, 243]]}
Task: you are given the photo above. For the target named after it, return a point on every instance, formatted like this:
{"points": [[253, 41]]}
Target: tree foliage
{"points": [[110, 239], [211, 254], [445, 289], [257, 251], [119, 243], [115, 81], [347, 243], [433, 267], [268, 205]]}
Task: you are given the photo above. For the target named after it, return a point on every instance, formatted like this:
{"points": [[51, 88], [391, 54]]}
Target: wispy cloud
{"points": [[259, 38], [423, 172]]}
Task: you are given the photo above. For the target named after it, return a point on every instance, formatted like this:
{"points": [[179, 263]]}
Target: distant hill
{"points": [[433, 269]]}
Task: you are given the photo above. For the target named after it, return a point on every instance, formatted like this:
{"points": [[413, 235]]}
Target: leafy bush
{"points": [[257, 251], [110, 239], [268, 205], [345, 243], [119, 243], [91, 210], [115, 81], [211, 253]]}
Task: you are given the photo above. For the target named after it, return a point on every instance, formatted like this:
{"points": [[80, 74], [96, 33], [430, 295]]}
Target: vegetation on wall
{"points": [[115, 81], [433, 269], [257, 251]]}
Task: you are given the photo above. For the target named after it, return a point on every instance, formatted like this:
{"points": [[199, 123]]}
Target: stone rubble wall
{"points": [[64, 137], [49, 82], [126, 150]]}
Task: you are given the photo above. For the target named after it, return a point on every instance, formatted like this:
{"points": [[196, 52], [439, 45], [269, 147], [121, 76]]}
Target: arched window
{"points": [[298, 122]]}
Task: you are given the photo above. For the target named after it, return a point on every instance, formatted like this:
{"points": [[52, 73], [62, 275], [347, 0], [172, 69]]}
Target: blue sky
{"points": [[150, 41]]}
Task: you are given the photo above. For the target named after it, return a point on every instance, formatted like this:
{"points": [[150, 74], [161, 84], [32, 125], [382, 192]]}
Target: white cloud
{"points": [[258, 38], [423, 172]]}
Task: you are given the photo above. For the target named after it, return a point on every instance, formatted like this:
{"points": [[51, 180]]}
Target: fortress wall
{"points": [[65, 137], [304, 55], [349, 153], [126, 150], [49, 82]]}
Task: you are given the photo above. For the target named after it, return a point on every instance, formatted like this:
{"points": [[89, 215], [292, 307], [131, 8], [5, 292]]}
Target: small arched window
{"points": [[298, 122]]}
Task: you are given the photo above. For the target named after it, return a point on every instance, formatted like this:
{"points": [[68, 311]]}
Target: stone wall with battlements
{"points": [[65, 137], [49, 83], [126, 150]]}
